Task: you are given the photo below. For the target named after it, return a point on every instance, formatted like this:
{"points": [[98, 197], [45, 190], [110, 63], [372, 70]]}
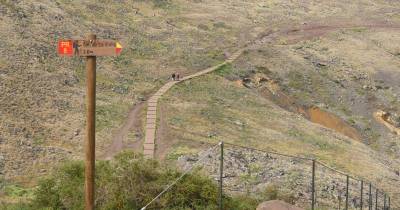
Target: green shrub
{"points": [[18, 206], [272, 192], [161, 3], [129, 182], [17, 191], [224, 70]]}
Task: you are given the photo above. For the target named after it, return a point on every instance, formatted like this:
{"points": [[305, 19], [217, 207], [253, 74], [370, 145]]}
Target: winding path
{"points": [[149, 146], [292, 33], [303, 32]]}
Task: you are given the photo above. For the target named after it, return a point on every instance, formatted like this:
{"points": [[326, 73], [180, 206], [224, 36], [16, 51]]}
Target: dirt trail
{"points": [[132, 122], [292, 34], [297, 33]]}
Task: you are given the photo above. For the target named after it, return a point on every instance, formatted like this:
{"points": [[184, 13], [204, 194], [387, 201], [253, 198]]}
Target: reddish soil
{"points": [[314, 114], [332, 121]]}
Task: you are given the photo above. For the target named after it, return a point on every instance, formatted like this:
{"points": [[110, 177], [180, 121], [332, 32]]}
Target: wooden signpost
{"points": [[89, 48]]}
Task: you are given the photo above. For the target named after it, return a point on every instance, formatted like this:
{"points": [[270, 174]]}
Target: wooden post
{"points": [[376, 199], [313, 186], [221, 174], [347, 192], [370, 197], [90, 129], [362, 195], [384, 201]]}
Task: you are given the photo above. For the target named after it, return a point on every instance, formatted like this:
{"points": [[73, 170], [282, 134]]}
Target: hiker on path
{"points": [[76, 47], [177, 76], [173, 76]]}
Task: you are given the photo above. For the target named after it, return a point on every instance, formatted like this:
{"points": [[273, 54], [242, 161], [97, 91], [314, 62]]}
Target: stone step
{"points": [[149, 147], [150, 125], [151, 121], [148, 153], [152, 108], [152, 104], [151, 116]]}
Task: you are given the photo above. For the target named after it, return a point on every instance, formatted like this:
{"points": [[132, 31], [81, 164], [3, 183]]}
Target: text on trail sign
{"points": [[89, 48]]}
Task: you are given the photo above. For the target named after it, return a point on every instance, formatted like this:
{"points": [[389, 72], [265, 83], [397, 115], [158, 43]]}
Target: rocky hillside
{"points": [[42, 115], [308, 88], [312, 77]]}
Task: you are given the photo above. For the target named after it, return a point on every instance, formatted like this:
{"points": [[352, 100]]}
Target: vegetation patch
{"points": [[359, 29], [179, 151], [106, 115], [161, 3], [224, 70], [15, 191], [129, 182], [273, 192]]}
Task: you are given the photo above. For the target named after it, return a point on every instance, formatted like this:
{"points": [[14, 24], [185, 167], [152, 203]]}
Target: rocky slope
{"points": [[340, 56], [42, 95]]}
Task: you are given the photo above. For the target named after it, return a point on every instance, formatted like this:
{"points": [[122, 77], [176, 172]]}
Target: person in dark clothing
{"points": [[173, 76], [76, 47], [177, 77]]}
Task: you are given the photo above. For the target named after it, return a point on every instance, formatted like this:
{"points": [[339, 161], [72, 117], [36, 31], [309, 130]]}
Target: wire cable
{"points": [[180, 177], [303, 158], [269, 152]]}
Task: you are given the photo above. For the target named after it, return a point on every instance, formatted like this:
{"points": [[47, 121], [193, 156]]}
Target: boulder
{"points": [[276, 205]]}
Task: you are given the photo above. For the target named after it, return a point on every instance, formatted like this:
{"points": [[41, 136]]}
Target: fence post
{"points": [[221, 172], [362, 194], [384, 201], [370, 197], [347, 192], [389, 203], [313, 186], [376, 199]]}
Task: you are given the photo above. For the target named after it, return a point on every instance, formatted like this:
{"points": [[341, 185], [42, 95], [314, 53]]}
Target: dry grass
{"points": [[212, 109], [331, 70], [42, 101]]}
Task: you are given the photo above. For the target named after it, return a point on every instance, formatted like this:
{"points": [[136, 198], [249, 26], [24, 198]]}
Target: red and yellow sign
{"points": [[85, 48], [65, 47], [118, 48]]}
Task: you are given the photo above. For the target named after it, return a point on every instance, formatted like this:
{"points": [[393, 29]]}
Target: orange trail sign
{"points": [[86, 48], [65, 47]]}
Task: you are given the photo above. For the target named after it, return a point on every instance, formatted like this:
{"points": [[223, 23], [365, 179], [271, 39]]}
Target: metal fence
{"points": [[307, 182]]}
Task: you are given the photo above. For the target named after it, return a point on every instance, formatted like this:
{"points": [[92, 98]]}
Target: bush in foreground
{"points": [[129, 182]]}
